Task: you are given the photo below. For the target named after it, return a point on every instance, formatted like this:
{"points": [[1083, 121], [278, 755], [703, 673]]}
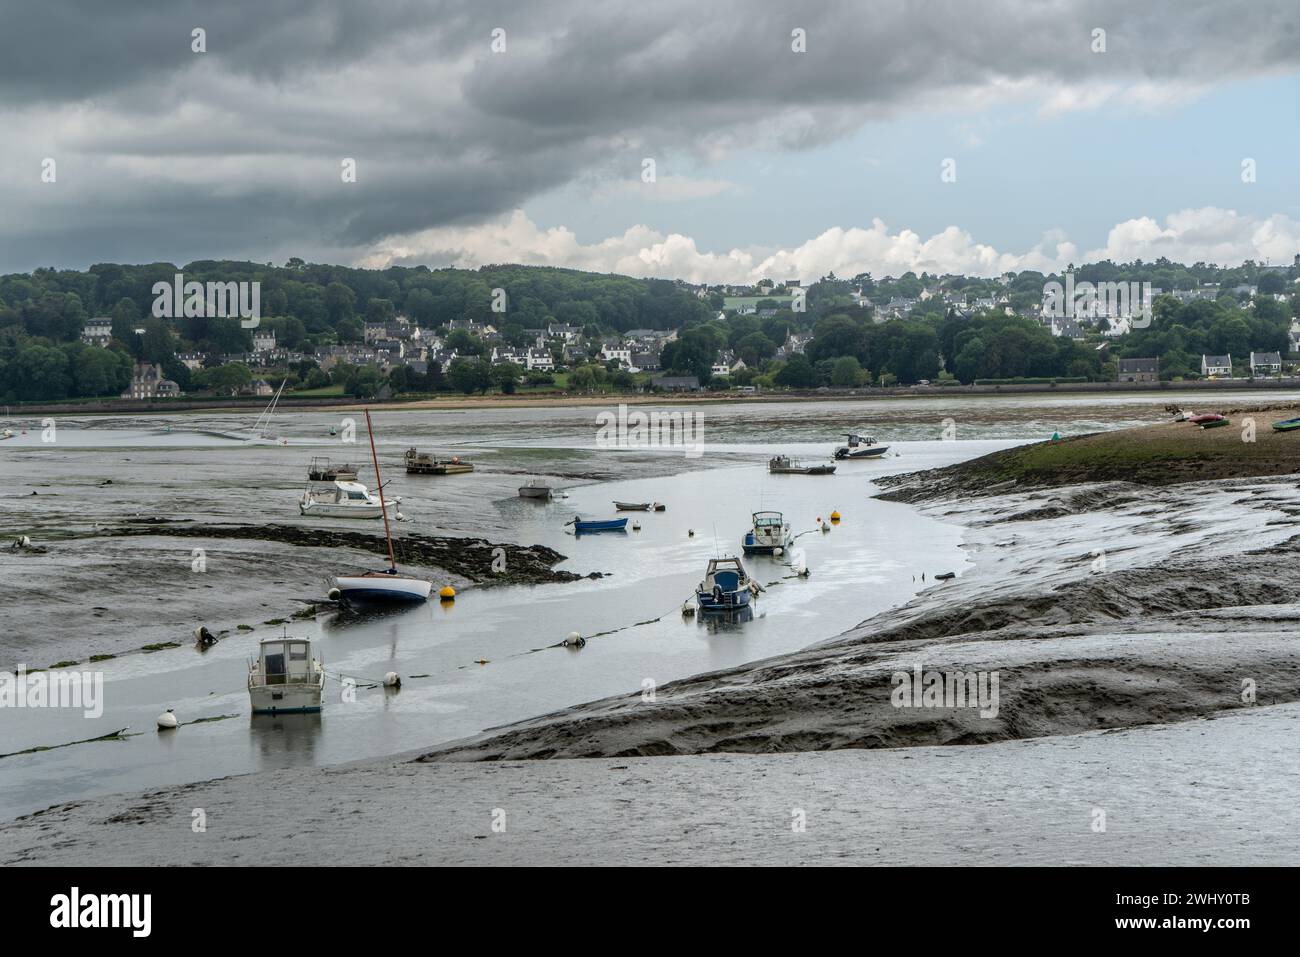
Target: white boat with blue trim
{"points": [[285, 678], [770, 534], [386, 587]]}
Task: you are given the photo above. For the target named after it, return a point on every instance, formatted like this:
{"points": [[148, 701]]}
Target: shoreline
{"points": [[561, 400]]}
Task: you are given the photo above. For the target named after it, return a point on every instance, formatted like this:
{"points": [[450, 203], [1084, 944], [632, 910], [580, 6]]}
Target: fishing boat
{"points": [[284, 678], [860, 447], [1204, 417], [344, 500], [424, 463], [322, 470], [1216, 423], [602, 525], [535, 488], [1286, 425], [638, 506], [784, 465], [769, 533], [726, 586], [386, 587]]}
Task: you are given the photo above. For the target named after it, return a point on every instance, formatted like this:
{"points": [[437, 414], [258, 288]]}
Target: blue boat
{"points": [[604, 525], [726, 587]]}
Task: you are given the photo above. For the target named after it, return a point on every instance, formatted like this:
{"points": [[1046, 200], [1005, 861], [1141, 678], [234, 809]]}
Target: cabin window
{"points": [[355, 495], [274, 670], [298, 652]]}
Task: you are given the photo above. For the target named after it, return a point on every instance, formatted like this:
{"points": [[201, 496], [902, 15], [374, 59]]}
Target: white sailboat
{"points": [[386, 587]]}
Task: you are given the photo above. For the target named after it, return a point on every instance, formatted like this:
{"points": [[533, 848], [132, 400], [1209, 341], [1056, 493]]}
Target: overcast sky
{"points": [[1182, 138]]}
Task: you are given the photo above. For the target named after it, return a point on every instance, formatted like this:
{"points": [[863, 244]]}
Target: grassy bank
{"points": [[1163, 454]]}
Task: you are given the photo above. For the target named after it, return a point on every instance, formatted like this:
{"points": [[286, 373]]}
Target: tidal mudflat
{"points": [[1141, 637]]}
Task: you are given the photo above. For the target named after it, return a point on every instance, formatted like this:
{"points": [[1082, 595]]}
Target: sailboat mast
{"points": [[370, 431]]}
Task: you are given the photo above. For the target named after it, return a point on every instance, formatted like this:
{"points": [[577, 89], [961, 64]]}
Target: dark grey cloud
{"points": [[165, 154]]}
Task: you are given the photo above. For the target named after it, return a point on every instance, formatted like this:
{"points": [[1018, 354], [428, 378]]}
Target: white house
{"points": [[1265, 364], [1216, 366]]}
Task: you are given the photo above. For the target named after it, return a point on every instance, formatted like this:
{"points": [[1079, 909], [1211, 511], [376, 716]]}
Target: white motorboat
{"points": [[860, 447], [769, 535], [285, 678], [386, 587], [343, 500]]}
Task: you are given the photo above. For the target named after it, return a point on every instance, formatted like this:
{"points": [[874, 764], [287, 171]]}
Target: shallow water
{"points": [[870, 562]]}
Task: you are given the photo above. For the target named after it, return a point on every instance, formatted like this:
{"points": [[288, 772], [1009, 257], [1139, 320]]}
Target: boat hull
{"points": [[729, 601], [613, 525], [632, 506], [528, 491], [871, 453], [1286, 425], [285, 699], [382, 589], [330, 510]]}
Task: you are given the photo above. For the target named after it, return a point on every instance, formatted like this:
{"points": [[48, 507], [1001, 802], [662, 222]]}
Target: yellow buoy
{"points": [[835, 516], [448, 593]]}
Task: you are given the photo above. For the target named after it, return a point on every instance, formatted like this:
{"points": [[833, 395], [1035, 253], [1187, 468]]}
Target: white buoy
{"points": [[333, 594], [798, 563], [399, 516], [778, 550], [167, 720], [574, 640], [392, 680], [636, 526], [688, 610]]}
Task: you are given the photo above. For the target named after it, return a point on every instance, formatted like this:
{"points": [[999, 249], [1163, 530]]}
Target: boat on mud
{"points": [[582, 526], [388, 586], [344, 500], [784, 465], [769, 535], [322, 469], [1286, 425], [424, 463], [860, 447], [1204, 417], [726, 587], [638, 507], [284, 678], [1216, 423], [537, 489]]}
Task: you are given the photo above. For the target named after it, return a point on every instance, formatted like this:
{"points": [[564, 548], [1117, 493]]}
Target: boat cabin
{"points": [[285, 660]]}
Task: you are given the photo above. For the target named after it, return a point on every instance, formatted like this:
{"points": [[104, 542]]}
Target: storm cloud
{"points": [[163, 153]]}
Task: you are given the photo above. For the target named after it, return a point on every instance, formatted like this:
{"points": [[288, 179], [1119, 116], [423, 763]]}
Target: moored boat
{"points": [[638, 506], [1286, 425], [784, 465], [1216, 423], [344, 500], [598, 525], [860, 447], [1204, 417], [726, 586], [284, 678], [535, 488], [425, 463], [386, 587], [322, 470], [770, 532]]}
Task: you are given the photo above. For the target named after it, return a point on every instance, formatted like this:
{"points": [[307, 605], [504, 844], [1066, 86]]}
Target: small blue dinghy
{"points": [[604, 525]]}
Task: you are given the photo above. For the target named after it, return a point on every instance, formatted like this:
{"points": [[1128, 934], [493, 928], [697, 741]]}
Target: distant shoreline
{"points": [[562, 400]]}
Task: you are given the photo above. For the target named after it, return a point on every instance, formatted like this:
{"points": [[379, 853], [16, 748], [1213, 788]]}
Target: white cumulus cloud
{"points": [[1208, 234]]}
